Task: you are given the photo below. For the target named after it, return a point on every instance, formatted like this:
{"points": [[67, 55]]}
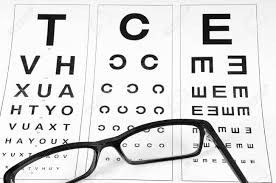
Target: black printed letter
{"points": [[207, 29], [51, 25], [124, 22]]}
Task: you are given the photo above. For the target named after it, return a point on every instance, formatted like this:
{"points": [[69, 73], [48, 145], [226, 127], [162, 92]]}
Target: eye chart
{"points": [[133, 84], [220, 83], [42, 105], [140, 63]]}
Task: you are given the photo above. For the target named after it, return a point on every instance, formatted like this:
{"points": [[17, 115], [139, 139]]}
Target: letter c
{"points": [[160, 109], [106, 90], [122, 111], [142, 111], [145, 66], [155, 90], [125, 21], [104, 109], [134, 90], [101, 127], [123, 64]]}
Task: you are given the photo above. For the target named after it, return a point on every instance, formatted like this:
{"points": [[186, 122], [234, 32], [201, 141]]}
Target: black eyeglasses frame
{"points": [[203, 126]]}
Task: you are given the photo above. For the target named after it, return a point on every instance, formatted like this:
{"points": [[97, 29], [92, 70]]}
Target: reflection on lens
{"points": [[156, 143], [60, 166]]}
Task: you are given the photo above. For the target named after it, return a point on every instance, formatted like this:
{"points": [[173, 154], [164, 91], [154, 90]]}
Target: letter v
{"points": [[26, 68], [12, 126]]}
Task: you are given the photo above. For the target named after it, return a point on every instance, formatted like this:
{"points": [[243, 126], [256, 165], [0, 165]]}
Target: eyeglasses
{"points": [[128, 145]]}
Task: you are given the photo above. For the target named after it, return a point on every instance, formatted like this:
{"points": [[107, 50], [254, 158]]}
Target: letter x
{"points": [[22, 90]]}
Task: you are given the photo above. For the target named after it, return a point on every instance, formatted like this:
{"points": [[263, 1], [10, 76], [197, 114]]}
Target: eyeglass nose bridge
{"points": [[110, 142], [114, 143]]}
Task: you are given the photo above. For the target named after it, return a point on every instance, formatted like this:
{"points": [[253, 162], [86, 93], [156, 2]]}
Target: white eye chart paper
{"points": [[126, 77], [43, 100], [88, 71], [220, 83]]}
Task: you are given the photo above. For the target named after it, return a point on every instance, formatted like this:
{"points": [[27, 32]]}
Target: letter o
{"points": [[70, 110], [42, 141]]}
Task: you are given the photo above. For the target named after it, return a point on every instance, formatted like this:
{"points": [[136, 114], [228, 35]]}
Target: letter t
{"points": [[51, 25]]}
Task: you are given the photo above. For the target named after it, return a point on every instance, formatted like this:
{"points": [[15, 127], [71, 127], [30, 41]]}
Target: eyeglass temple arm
{"points": [[223, 150]]}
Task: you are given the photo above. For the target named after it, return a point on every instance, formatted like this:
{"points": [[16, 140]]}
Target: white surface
{"points": [[267, 39]]}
